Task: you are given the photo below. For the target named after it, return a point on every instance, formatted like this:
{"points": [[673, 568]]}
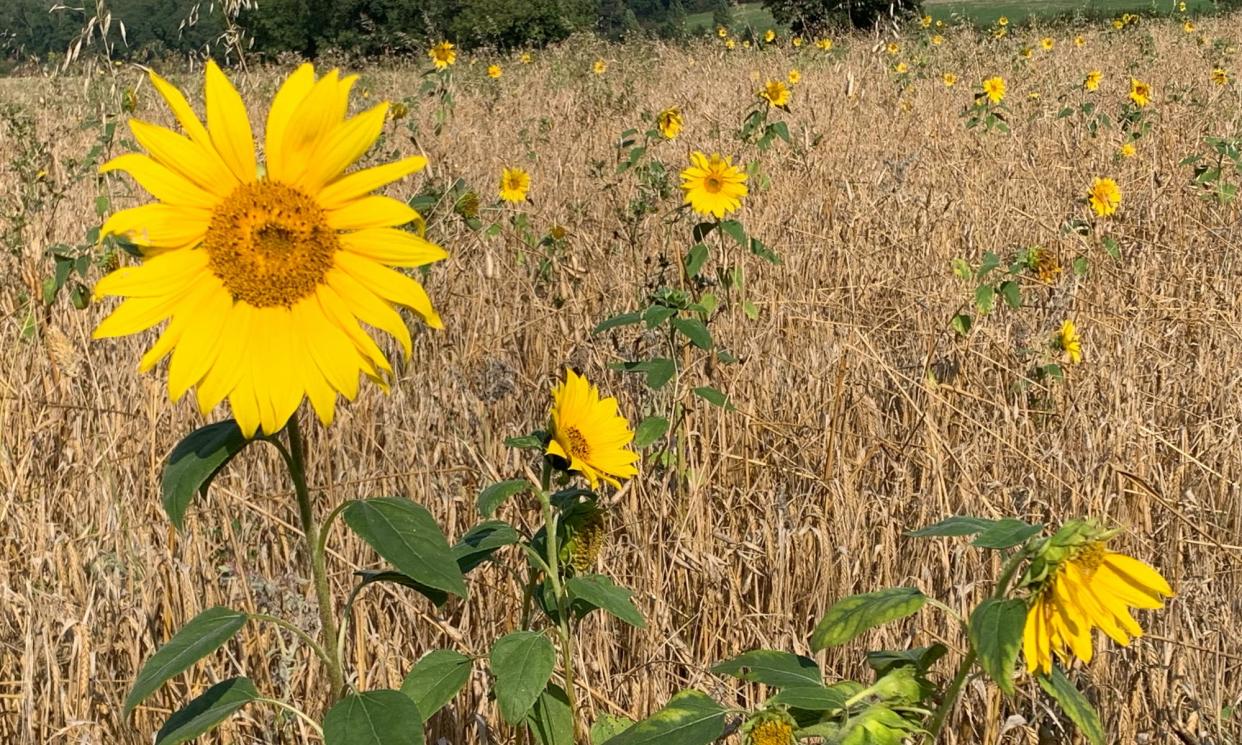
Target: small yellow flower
{"points": [[1046, 43], [893, 47], [1027, 52], [939, 24], [525, 58], [769, 36], [722, 32], [514, 183], [1002, 21], [1128, 150], [494, 71], [937, 40], [443, 55], [1140, 92], [1092, 81], [745, 43], [775, 93], [1181, 7], [1188, 27], [797, 41], [1000, 33], [994, 89], [1033, 95], [669, 122], [1070, 342], [1104, 196], [1079, 41], [589, 433], [901, 68], [600, 67], [1220, 76], [949, 79], [713, 186], [795, 75], [824, 44], [1118, 24], [926, 21], [729, 43]]}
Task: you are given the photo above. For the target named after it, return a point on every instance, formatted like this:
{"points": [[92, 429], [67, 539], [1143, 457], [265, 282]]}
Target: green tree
{"points": [[805, 15], [722, 14]]}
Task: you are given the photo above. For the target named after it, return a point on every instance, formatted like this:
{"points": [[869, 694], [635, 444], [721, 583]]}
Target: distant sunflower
{"points": [[797, 41], [769, 36], [669, 122], [775, 93], [730, 43], [1002, 21], [722, 32], [1188, 27], [949, 79], [600, 67], [994, 89], [514, 183], [824, 44], [937, 40], [1105, 196], [443, 55], [713, 186], [526, 58], [892, 47], [901, 68], [1079, 41], [1140, 92], [1128, 150], [1220, 76], [795, 76], [589, 434], [494, 71], [1070, 342], [263, 278], [1092, 81]]}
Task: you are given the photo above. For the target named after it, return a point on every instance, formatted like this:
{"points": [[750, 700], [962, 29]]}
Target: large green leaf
{"points": [[435, 679], [1006, 533], [694, 330], [481, 541], [598, 591], [495, 495], [607, 727], [551, 719], [200, 637], [383, 717], [954, 526], [996, 634], [649, 430], [194, 462], [522, 663], [771, 667], [1074, 704], [810, 698], [407, 535], [858, 613], [690, 718], [207, 711]]}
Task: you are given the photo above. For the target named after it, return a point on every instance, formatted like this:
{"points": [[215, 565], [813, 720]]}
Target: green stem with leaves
{"points": [[562, 600], [954, 691]]}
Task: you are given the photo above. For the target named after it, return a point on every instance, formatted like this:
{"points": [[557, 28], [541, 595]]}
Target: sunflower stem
{"points": [[295, 458], [562, 602], [954, 691]]}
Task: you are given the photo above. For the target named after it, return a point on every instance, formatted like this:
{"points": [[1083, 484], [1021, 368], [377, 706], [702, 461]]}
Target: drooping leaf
{"points": [[537, 440], [522, 663], [920, 658], [207, 711], [771, 667], [956, 525], [407, 536], [1074, 704], [368, 576], [496, 494], [734, 230], [435, 679], [696, 257], [194, 462], [996, 635], [858, 613], [551, 719], [689, 718], [658, 371], [694, 330], [649, 430], [200, 637], [599, 591], [383, 717], [1005, 533]]}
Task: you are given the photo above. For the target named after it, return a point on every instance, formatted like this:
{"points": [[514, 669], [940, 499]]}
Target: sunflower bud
{"points": [[467, 206], [586, 539], [398, 111], [770, 727]]}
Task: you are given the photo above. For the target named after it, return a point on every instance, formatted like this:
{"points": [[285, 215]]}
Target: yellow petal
{"points": [[1125, 588], [285, 388], [229, 124], [1141, 574], [159, 225], [320, 392], [181, 110], [230, 364], [390, 285], [137, 314], [370, 358], [313, 118], [331, 349], [350, 187], [393, 247], [199, 164], [371, 212], [369, 308], [345, 144], [284, 104], [160, 275], [171, 334], [162, 183], [200, 342]]}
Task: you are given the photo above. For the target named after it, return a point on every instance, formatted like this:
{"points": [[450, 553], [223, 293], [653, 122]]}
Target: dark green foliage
{"points": [[806, 15]]}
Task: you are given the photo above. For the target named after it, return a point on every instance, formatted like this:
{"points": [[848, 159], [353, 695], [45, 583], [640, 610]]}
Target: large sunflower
{"points": [[264, 276], [589, 434], [713, 186]]}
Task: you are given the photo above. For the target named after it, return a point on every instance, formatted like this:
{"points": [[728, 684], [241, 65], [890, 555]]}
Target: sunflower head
{"points": [[771, 727], [514, 183], [1220, 76], [769, 36], [937, 40], [901, 68], [797, 41], [1046, 43], [1079, 41], [722, 32], [1002, 21], [525, 58], [925, 21], [795, 76], [1188, 27], [713, 185], [824, 44], [443, 55], [775, 93], [494, 71], [1092, 81], [669, 122], [1069, 341], [730, 44], [994, 89], [949, 79], [1127, 150], [1140, 92], [600, 67], [892, 47], [1104, 196], [263, 279], [586, 530], [588, 434]]}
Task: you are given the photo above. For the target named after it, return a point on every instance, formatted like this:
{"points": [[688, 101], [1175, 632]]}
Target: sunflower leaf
{"points": [[496, 494], [1005, 533], [623, 319], [598, 591], [856, 614], [383, 717], [649, 431], [772, 668], [435, 679], [522, 662], [207, 711], [694, 330], [1074, 704], [996, 634], [735, 231], [696, 257], [957, 525], [406, 534], [714, 397], [689, 718], [194, 462], [200, 637]]}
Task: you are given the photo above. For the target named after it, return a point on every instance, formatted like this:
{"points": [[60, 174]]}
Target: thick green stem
{"points": [[951, 694], [562, 600], [295, 458]]}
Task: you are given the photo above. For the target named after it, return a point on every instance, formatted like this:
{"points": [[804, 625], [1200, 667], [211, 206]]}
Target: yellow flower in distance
{"points": [[1188, 27], [525, 58], [1000, 33], [494, 71], [1069, 341], [795, 76], [994, 89], [1105, 196], [1002, 21], [729, 43], [263, 278], [892, 47], [1027, 52], [901, 68], [1046, 43], [600, 67], [769, 36], [797, 41], [1220, 76], [1079, 41], [713, 186], [1092, 81], [1128, 150], [722, 32], [949, 79], [775, 93], [669, 122], [937, 40], [514, 183], [1140, 92], [824, 44], [442, 55], [1092, 588], [589, 434], [925, 21]]}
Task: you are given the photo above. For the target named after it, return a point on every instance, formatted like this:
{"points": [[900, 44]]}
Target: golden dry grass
{"points": [[839, 444]]}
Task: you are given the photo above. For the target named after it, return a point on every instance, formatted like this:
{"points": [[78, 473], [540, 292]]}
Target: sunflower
{"points": [[925, 21], [1128, 150], [730, 43], [1079, 41], [797, 41], [263, 278], [1089, 587], [1220, 76], [901, 68], [1188, 27], [771, 730], [775, 93], [1070, 341], [994, 89], [769, 36], [824, 44], [1105, 196], [722, 32], [795, 76], [937, 40], [1044, 264], [1046, 43], [713, 186], [600, 67], [443, 55], [669, 122], [1002, 21], [589, 434], [1027, 52], [892, 47], [1092, 81], [494, 71], [514, 183], [1140, 92], [949, 79]]}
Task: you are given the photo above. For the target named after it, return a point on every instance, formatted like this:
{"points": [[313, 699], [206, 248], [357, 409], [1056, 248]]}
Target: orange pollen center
{"points": [[578, 446], [712, 183], [270, 244]]}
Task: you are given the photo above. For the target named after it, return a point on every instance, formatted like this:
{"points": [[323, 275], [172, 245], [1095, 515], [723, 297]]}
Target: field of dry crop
{"points": [[860, 413]]}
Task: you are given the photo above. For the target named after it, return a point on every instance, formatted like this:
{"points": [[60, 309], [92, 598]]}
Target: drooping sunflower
{"points": [[264, 275], [443, 55], [713, 186], [589, 434], [1105, 196], [1092, 81], [1089, 587], [669, 122], [1140, 92], [775, 93], [494, 71], [514, 183], [1069, 341], [994, 89]]}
